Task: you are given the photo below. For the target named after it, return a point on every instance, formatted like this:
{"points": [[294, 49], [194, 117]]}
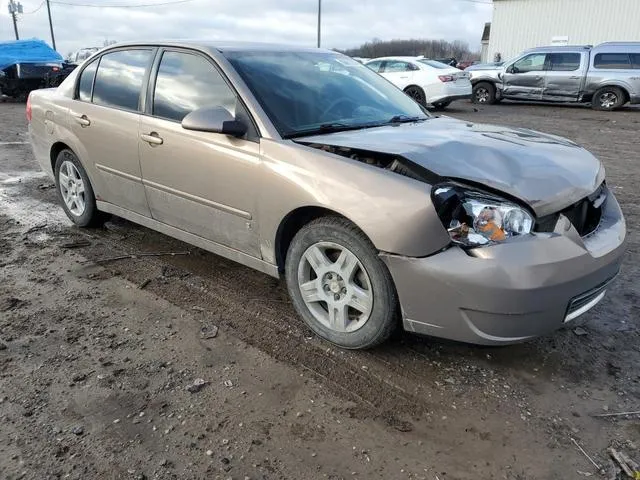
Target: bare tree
{"points": [[413, 47]]}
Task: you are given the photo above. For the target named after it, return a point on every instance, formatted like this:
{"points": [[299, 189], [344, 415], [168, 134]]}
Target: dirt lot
{"points": [[95, 357]]}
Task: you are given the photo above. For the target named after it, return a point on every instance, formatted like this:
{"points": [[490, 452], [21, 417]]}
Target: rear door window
{"points": [[186, 82], [564, 62], [392, 66], [85, 85], [120, 78], [612, 61], [635, 61]]}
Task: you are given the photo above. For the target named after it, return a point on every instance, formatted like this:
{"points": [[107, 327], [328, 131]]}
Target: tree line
{"points": [[413, 47]]}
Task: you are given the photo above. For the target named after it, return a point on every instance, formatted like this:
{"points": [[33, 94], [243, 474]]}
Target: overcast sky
{"points": [[345, 23]]}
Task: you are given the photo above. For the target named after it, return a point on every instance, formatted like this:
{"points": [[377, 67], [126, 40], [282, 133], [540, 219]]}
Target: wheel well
{"points": [[291, 224], [624, 91], [412, 86], [488, 82], [56, 148]]}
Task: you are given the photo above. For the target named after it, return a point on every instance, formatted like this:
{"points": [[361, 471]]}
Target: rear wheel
{"points": [[608, 98], [339, 285], [417, 94], [75, 191], [483, 93]]}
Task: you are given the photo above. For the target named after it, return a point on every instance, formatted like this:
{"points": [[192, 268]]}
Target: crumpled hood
{"points": [[547, 172]]}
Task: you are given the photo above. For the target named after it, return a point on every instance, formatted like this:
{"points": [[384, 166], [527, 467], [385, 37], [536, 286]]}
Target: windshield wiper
{"points": [[405, 119], [330, 128], [342, 127]]}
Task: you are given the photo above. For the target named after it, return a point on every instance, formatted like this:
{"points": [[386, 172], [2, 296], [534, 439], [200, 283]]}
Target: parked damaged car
{"points": [[27, 65], [305, 164], [606, 76]]}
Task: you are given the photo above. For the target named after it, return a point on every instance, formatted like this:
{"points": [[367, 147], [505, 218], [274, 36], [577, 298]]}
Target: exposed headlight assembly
{"points": [[474, 218]]}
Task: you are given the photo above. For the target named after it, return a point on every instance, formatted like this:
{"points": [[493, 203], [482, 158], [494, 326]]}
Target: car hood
{"points": [[547, 172]]}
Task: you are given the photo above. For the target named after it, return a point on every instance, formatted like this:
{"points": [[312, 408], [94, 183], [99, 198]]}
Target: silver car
{"points": [[305, 164], [607, 76]]}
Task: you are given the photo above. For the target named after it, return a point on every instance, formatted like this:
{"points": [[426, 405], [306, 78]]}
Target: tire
{"points": [[72, 184], [417, 94], [608, 98], [441, 106], [483, 93], [335, 289]]}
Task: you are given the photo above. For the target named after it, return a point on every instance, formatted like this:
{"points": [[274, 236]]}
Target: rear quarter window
{"points": [[612, 61], [85, 84]]}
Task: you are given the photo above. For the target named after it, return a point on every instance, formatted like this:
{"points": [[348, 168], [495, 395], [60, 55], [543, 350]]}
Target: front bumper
{"points": [[514, 291]]}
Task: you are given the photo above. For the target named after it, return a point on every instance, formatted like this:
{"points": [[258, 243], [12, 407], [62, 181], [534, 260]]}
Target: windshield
{"points": [[307, 92], [434, 64]]}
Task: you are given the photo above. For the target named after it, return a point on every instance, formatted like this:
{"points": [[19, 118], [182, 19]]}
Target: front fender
{"points": [[394, 211]]}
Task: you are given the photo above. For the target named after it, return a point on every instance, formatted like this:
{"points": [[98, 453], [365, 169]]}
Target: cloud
{"points": [[344, 24]]}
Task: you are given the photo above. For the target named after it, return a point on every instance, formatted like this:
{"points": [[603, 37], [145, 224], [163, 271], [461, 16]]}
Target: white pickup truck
{"points": [[607, 76]]}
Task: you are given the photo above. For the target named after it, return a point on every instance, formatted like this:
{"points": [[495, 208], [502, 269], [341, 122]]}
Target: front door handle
{"points": [[575, 78], [151, 138], [83, 120], [404, 77]]}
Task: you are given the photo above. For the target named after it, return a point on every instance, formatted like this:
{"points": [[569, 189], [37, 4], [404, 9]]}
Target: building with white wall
{"points": [[521, 24]]}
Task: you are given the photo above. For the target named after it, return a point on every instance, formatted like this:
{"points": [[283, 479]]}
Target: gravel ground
{"points": [[100, 362]]}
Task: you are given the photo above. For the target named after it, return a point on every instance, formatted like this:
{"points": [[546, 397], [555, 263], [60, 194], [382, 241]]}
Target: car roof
{"points": [[399, 58], [559, 48], [223, 46]]}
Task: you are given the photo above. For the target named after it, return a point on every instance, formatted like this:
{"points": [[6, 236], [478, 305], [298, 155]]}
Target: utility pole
{"points": [[14, 10], [319, 20], [53, 39]]}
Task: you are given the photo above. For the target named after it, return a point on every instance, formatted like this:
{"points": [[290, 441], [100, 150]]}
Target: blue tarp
{"points": [[27, 51]]}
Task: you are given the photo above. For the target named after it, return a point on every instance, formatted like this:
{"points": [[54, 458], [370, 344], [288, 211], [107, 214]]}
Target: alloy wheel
{"points": [[416, 94], [72, 188], [335, 287], [482, 95], [608, 99]]}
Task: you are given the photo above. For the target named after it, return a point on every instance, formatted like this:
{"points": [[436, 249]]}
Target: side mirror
{"points": [[214, 120]]}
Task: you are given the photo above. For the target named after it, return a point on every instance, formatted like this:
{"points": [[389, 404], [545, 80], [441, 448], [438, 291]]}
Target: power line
{"points": [[140, 5], [38, 8]]}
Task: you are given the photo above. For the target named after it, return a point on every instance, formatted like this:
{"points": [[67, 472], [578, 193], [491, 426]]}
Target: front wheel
{"points": [[75, 191], [339, 285], [483, 93], [608, 98]]}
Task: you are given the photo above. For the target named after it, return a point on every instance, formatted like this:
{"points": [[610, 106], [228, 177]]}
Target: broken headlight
{"points": [[474, 218]]}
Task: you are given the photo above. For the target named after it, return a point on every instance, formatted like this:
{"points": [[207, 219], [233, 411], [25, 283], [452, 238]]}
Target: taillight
{"points": [[446, 78], [29, 108]]}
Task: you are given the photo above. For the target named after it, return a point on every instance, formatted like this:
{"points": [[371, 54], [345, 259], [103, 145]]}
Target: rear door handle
{"points": [[151, 138], [83, 120], [404, 77], [575, 78]]}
